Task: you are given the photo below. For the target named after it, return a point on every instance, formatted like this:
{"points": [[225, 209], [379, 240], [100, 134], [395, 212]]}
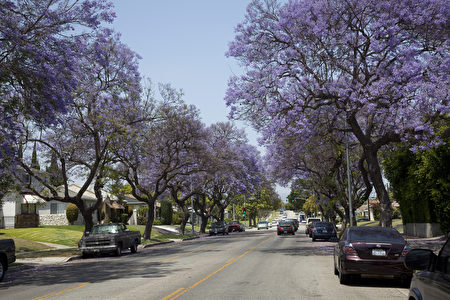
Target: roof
{"points": [[32, 199]]}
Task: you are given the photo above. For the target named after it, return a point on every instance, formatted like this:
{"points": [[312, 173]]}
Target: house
{"points": [[21, 209]]}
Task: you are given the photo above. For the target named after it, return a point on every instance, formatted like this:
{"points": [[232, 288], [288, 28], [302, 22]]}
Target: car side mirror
{"points": [[87, 233], [419, 259]]}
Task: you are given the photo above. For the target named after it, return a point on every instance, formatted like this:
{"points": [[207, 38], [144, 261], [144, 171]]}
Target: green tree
{"points": [[421, 184]]}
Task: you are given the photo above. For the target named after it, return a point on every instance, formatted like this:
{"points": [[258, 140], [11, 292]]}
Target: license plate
{"points": [[285, 231], [378, 252]]}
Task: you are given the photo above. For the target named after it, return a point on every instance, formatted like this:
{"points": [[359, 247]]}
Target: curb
{"points": [[191, 238], [156, 244]]}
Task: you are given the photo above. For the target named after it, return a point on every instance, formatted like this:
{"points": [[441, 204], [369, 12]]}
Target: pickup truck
{"points": [[109, 238], [7, 255]]}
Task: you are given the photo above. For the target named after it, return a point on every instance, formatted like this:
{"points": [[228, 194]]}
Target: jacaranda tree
{"points": [[41, 47], [378, 69]]}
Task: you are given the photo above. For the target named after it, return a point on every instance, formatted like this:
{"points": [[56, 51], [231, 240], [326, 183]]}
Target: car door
{"points": [[436, 285]]}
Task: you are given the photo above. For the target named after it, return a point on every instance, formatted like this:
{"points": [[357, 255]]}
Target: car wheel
{"points": [[133, 248], [405, 281], [85, 254], [278, 233], [118, 250], [336, 271], [293, 233], [343, 278], [2, 269]]}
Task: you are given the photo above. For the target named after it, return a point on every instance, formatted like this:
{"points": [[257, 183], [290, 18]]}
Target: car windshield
{"points": [[106, 229], [234, 222], [314, 220], [375, 235], [217, 224], [262, 222]]}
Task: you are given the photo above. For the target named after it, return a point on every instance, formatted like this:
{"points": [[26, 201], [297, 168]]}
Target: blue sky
{"points": [[184, 43]]}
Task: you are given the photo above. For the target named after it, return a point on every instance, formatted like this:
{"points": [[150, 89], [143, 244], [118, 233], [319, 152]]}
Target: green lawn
{"points": [[396, 223], [27, 239]]}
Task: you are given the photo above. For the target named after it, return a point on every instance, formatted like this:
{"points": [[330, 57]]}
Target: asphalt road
{"points": [[249, 265]]}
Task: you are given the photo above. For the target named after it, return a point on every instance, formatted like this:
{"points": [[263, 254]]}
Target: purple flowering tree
{"points": [[377, 69], [104, 106], [159, 153], [41, 47], [234, 169]]}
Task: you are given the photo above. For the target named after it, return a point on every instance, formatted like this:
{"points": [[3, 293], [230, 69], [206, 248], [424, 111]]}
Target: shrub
{"points": [[166, 212], [124, 218], [158, 222], [71, 213], [176, 218], [142, 215]]}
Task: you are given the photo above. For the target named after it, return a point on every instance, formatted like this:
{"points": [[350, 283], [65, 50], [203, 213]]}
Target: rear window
{"points": [[390, 236], [328, 226]]}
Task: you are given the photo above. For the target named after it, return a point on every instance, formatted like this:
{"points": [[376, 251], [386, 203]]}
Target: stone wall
{"points": [[54, 219], [422, 229]]}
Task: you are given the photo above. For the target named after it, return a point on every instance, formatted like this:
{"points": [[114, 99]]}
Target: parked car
{"points": [[109, 238], [263, 225], [309, 221], [433, 280], [219, 227], [235, 226], [285, 227], [296, 223], [323, 231], [7, 255], [371, 251]]}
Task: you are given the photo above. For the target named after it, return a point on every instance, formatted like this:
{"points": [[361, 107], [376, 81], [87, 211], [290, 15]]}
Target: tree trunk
{"points": [[88, 221], [377, 181], [150, 218], [204, 223], [186, 216]]}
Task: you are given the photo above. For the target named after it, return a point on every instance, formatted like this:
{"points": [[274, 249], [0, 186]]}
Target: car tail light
{"points": [[290, 227], [349, 250], [334, 230], [314, 229], [406, 249], [279, 227]]}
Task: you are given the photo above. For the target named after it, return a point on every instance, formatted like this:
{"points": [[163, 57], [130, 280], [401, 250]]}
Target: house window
{"points": [[53, 208], [27, 208]]}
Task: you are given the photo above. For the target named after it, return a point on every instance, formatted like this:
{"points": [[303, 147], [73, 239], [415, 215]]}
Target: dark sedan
{"points": [[219, 227], [371, 251], [286, 227], [322, 231], [295, 222]]}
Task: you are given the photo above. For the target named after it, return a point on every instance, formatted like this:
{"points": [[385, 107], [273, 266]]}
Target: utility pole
{"points": [[192, 214], [349, 178]]}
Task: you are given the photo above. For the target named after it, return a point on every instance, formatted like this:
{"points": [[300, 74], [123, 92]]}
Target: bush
{"points": [[158, 222], [166, 212], [124, 218], [71, 213], [176, 218], [142, 215], [396, 214]]}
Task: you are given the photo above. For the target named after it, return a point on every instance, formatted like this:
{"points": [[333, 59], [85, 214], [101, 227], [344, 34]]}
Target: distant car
{"points": [[296, 223], [235, 226], [323, 231], [285, 227], [371, 251], [433, 280], [263, 225], [7, 255], [219, 227], [309, 221]]}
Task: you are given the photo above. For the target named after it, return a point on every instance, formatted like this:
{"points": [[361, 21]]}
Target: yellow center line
{"points": [[231, 259], [228, 263], [174, 293], [116, 274]]}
